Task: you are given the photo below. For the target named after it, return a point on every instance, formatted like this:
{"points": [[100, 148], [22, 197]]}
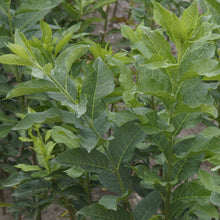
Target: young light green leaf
{"points": [[13, 59], [109, 202], [28, 168], [4, 204], [51, 115], [65, 136], [74, 172], [175, 27], [31, 87]]}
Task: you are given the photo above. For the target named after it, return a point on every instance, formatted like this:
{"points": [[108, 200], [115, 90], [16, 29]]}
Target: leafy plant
{"points": [[82, 135]]}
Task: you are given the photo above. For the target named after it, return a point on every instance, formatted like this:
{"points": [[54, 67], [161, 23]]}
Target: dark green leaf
{"points": [[148, 206]]}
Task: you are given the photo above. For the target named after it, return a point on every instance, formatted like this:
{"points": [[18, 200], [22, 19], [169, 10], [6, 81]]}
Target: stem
{"points": [[153, 106], [69, 208], [106, 24], [2, 197], [169, 171], [89, 188], [115, 9]]}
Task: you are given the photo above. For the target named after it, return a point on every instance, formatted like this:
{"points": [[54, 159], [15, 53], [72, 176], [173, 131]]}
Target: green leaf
{"points": [[98, 85], [101, 3], [31, 87], [27, 168], [123, 145], [175, 27], [185, 120], [148, 206], [70, 55], [215, 4], [51, 115], [153, 43], [109, 202], [148, 175], [74, 172], [65, 136], [215, 198], [46, 31], [60, 45], [190, 191], [15, 179], [93, 161], [98, 212], [30, 12], [32, 187], [186, 167], [13, 59], [208, 181], [154, 82]]}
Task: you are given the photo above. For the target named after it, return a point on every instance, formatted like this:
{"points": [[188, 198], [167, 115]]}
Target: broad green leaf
{"points": [[215, 4], [128, 33], [183, 108], [15, 179], [101, 3], [70, 55], [109, 202], [19, 50], [156, 83], [51, 115], [13, 59], [208, 211], [110, 180], [208, 181], [98, 212], [97, 86], [65, 136], [148, 206], [186, 120], [215, 198], [31, 87], [32, 187], [153, 43], [93, 161], [121, 117], [191, 17], [98, 51], [210, 132], [175, 27], [28, 168], [123, 145], [190, 191], [30, 12], [74, 172], [186, 167]]}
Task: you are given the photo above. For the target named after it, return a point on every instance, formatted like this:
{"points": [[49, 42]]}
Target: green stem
{"points": [[169, 172], [69, 208], [89, 188], [115, 9], [106, 24]]}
